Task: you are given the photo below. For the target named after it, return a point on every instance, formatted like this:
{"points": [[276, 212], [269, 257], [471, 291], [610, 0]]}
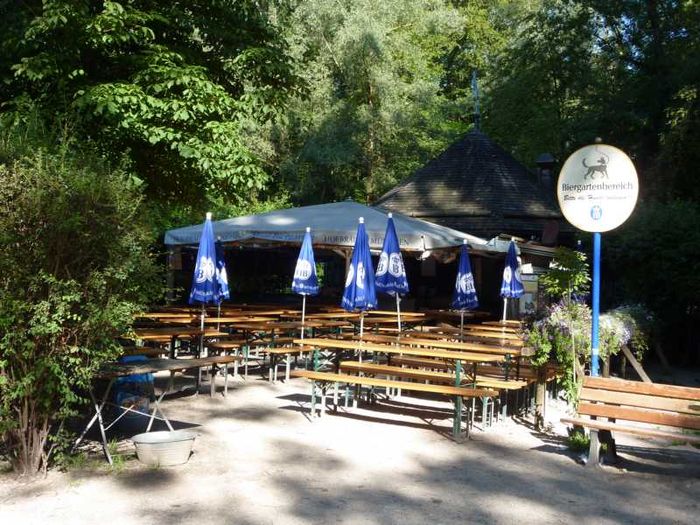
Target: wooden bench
{"points": [[651, 404], [329, 378], [148, 351], [447, 378]]}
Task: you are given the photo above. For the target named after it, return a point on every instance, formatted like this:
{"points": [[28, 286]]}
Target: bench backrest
{"points": [[651, 403]]}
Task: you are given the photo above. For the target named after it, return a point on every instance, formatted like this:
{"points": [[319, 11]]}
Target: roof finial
{"points": [[477, 110]]}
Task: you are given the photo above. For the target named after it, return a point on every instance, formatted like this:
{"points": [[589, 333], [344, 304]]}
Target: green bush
{"points": [[578, 441], [74, 268]]}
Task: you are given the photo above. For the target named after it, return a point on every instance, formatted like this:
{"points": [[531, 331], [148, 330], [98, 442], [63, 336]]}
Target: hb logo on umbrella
{"points": [[466, 284], [303, 270], [350, 277], [206, 270], [508, 274], [360, 281], [391, 263]]}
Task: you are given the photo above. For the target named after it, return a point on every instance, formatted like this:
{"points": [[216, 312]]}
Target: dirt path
{"points": [[259, 460]]}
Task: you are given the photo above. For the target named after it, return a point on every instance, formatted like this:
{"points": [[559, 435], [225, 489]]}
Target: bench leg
{"points": [[606, 437], [100, 422], [225, 379], [313, 399], [212, 381], [457, 422], [594, 450]]}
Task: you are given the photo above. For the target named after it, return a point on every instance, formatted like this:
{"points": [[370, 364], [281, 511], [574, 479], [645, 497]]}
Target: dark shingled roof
{"points": [[476, 186]]}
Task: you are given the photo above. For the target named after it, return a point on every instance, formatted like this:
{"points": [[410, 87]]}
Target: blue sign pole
{"points": [[595, 343]]}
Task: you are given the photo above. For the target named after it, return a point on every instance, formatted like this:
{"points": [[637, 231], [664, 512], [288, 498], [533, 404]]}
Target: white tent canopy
{"points": [[332, 225]]}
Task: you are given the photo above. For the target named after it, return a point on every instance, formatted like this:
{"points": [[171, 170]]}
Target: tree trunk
{"points": [[28, 442], [540, 397]]}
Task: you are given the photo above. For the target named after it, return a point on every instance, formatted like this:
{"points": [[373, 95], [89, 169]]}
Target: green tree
{"points": [[373, 110], [653, 257], [75, 266], [181, 87], [567, 275]]}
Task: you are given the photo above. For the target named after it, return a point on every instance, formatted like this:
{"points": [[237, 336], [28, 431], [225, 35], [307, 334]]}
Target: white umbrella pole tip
{"points": [[361, 220], [308, 229], [390, 215], [208, 215], [464, 241]]}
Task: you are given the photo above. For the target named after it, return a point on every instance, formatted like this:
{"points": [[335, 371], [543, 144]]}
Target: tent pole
{"points": [[461, 325], [201, 346], [362, 329], [398, 311], [303, 314], [505, 305]]}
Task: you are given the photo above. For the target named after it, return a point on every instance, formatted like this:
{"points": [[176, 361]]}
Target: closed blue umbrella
{"points": [[221, 277], [305, 281], [221, 273], [359, 291], [464, 297], [206, 287], [511, 286], [391, 273]]}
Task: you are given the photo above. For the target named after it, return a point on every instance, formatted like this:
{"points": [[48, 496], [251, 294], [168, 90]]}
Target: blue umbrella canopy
{"points": [[464, 297], [391, 274], [221, 274], [359, 291], [305, 281], [511, 286], [205, 286]]}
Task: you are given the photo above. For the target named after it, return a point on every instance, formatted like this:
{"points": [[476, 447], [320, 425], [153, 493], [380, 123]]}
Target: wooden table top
{"points": [[447, 345], [495, 335], [176, 331], [493, 328], [334, 315], [404, 315], [113, 369], [341, 344]]}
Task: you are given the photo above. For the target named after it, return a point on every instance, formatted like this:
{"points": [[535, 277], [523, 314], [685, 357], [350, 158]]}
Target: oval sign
{"points": [[597, 188]]}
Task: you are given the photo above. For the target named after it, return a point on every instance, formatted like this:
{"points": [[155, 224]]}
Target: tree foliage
{"points": [[75, 267], [374, 108], [568, 275], [179, 86], [655, 256]]}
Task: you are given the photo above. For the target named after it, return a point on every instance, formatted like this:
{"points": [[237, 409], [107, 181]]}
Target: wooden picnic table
{"points": [[451, 314], [475, 332], [511, 323], [175, 332], [331, 315], [492, 328], [406, 315], [163, 315], [234, 319], [451, 355], [447, 345], [495, 340]]}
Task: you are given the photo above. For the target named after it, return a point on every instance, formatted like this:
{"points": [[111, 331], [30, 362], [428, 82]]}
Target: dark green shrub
{"points": [[74, 266]]}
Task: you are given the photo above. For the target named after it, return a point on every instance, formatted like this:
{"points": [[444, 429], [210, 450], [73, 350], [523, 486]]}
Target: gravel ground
{"points": [[259, 459]]}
